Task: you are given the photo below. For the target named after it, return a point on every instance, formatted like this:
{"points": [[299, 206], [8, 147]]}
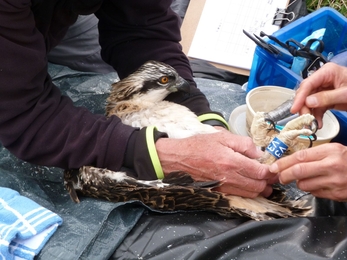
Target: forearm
{"points": [[37, 124]]}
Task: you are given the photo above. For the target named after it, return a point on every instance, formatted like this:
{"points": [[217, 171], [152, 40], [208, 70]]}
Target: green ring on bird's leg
{"points": [[211, 116], [153, 152]]}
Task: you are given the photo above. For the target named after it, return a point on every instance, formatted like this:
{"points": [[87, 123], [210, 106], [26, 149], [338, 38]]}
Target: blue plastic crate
{"points": [[268, 70]]}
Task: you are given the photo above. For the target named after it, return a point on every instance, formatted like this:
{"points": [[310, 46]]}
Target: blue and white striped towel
{"points": [[25, 226]]}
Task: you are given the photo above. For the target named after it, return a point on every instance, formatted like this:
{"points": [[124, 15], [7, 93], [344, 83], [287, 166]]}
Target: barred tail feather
{"points": [[177, 192]]}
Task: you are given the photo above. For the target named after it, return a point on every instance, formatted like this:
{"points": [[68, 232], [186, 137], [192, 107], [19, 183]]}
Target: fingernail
{"points": [[273, 168], [311, 101]]}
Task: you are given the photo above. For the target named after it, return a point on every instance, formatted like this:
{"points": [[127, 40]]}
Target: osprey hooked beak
{"points": [[180, 85]]}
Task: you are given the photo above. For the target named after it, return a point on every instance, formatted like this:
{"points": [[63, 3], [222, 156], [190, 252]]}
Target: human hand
{"points": [[320, 170], [218, 156], [325, 89]]}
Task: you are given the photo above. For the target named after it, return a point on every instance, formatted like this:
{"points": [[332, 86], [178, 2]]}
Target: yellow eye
{"points": [[164, 80]]}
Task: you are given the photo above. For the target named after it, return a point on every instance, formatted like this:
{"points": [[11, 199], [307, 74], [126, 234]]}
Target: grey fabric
{"points": [[224, 97], [180, 7], [86, 89], [91, 230], [80, 49], [204, 69]]}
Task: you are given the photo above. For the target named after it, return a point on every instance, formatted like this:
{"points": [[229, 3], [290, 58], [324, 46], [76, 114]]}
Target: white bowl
{"points": [[266, 98], [237, 121]]}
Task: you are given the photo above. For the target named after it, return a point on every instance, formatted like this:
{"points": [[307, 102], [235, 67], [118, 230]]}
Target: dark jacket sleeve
{"points": [[37, 123], [133, 32]]}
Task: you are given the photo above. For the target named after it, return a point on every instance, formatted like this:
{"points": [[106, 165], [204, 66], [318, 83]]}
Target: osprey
{"points": [[139, 101]]}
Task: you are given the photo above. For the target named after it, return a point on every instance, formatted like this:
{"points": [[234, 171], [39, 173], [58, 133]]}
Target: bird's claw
{"points": [[303, 125], [314, 127], [271, 123]]}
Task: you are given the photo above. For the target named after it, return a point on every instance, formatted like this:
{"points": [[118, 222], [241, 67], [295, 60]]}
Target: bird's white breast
{"points": [[175, 120]]}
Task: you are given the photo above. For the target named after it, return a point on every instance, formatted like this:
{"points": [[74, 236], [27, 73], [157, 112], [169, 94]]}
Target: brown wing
{"points": [[178, 191]]}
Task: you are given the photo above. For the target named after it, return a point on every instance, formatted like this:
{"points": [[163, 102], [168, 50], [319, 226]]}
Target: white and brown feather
{"points": [[139, 101], [176, 192]]}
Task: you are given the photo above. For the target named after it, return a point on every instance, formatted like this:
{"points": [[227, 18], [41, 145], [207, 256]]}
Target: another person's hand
{"points": [[219, 156], [325, 89], [320, 170]]}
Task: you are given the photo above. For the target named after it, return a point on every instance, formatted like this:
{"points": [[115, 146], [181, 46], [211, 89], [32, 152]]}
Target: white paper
{"points": [[219, 37]]}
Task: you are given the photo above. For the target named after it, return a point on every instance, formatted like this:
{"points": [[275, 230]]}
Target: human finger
{"points": [[274, 179], [318, 114], [307, 87], [241, 191], [250, 168], [299, 172], [242, 173], [329, 186], [336, 194], [300, 97], [324, 78], [243, 145], [299, 165], [267, 191], [327, 99]]}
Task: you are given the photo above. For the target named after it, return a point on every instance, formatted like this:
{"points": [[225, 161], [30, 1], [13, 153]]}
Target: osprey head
{"points": [[158, 75], [153, 81]]}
